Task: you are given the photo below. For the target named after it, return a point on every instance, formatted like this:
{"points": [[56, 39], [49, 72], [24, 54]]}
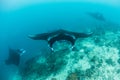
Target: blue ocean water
{"points": [[17, 24]]}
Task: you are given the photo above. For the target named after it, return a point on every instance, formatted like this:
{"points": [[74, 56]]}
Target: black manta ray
{"points": [[58, 35], [14, 56]]}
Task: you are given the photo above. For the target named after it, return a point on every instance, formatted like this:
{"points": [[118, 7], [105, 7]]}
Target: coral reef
{"points": [[93, 58]]}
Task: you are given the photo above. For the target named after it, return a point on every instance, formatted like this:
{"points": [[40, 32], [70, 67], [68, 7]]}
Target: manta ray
{"points": [[96, 15], [58, 35], [14, 56]]}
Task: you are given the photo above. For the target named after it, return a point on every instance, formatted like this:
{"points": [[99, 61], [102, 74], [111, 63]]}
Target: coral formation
{"points": [[53, 79], [72, 76]]}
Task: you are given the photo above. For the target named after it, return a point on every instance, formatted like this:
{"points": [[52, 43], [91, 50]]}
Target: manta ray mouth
{"points": [[62, 38], [61, 45]]}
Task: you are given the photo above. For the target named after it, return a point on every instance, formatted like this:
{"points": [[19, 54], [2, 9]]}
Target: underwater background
{"points": [[16, 24]]}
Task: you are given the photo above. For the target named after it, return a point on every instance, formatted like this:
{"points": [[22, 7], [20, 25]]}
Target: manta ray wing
{"points": [[44, 36]]}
